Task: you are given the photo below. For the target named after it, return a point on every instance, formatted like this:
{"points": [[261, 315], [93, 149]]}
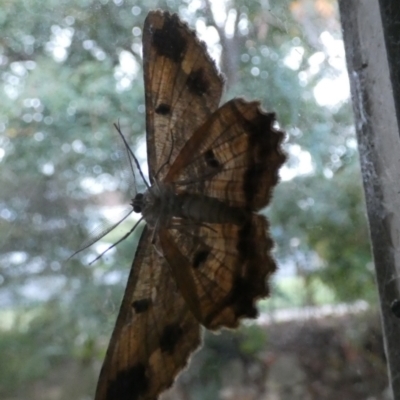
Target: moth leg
{"points": [[190, 223], [157, 250], [155, 229], [153, 239], [204, 177]]}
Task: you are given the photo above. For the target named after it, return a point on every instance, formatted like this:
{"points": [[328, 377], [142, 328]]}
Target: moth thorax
{"points": [[158, 204]]}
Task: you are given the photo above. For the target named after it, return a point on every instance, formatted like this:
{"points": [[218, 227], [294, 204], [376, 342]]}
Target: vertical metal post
{"points": [[371, 29]]}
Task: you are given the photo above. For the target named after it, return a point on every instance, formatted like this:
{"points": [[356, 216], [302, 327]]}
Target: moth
{"points": [[204, 257]]}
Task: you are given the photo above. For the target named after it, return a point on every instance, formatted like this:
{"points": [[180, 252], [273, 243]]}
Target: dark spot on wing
{"points": [[260, 134], [129, 384], [251, 284], [200, 257], [170, 337], [169, 41], [395, 307], [246, 288], [210, 159], [163, 109], [197, 83], [141, 305], [264, 156], [243, 297]]}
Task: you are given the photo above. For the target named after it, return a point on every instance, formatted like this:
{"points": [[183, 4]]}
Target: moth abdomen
{"points": [[209, 210]]}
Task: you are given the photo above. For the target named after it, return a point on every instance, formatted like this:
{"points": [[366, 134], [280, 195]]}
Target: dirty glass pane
{"points": [[69, 71]]}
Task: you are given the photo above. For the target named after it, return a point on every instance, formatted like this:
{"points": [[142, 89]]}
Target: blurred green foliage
{"points": [[64, 84]]}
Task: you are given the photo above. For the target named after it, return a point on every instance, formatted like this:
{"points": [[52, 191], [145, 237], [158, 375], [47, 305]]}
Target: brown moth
{"points": [[204, 256]]}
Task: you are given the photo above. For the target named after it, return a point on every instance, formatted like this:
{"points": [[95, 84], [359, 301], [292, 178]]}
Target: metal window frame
{"points": [[371, 32]]}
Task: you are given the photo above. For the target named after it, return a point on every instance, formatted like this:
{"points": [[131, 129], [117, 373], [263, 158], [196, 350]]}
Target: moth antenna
{"points": [[98, 237], [130, 152], [117, 242], [128, 155], [153, 236], [157, 185], [168, 159]]}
